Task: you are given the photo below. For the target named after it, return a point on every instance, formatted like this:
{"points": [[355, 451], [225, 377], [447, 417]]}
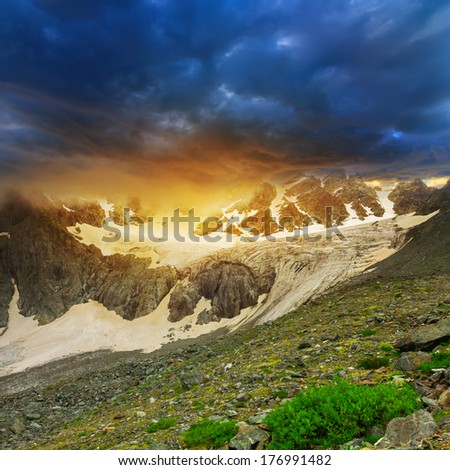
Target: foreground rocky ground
{"points": [[353, 333]]}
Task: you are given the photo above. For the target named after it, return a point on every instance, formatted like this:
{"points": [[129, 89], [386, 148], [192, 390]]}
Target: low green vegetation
{"points": [[372, 363], [386, 347], [331, 415], [164, 423], [367, 332], [280, 394], [209, 434]]}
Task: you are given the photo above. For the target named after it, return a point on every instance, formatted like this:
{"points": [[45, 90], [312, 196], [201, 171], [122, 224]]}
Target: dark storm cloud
{"points": [[337, 81]]}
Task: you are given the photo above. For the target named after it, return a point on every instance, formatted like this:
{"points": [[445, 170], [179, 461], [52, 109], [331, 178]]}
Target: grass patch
{"points": [[280, 394], [209, 434], [367, 332], [328, 416], [441, 360], [443, 308], [386, 347], [372, 363], [164, 423]]}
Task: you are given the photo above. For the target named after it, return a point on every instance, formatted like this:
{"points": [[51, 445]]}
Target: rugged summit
{"points": [[313, 199], [410, 196], [439, 199], [354, 191]]}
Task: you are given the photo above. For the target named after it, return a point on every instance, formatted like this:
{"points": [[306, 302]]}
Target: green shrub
{"points": [[164, 423], [441, 360], [371, 363], [367, 332], [331, 415], [209, 434], [280, 394], [386, 347]]}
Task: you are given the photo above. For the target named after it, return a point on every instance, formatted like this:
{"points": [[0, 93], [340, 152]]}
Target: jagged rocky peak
{"points": [[133, 208], [354, 191], [261, 199], [291, 217], [316, 202], [410, 196], [16, 208], [335, 181], [439, 199]]}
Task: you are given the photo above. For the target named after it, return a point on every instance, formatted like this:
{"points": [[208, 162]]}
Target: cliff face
{"points": [[230, 286], [410, 196], [6, 286], [53, 271]]}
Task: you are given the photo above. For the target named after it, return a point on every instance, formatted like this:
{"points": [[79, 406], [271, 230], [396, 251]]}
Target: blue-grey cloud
{"points": [[325, 81]]}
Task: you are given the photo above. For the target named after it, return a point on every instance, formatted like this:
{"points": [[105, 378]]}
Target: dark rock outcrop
{"points": [[230, 287], [6, 285], [53, 271], [438, 200], [425, 338], [410, 196]]}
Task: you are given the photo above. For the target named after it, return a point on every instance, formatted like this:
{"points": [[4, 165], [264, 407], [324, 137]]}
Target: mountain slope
{"points": [[425, 251]]}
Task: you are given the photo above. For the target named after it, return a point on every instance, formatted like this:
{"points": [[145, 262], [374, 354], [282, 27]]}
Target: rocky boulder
{"points": [[401, 431], [425, 338], [410, 361], [250, 437]]}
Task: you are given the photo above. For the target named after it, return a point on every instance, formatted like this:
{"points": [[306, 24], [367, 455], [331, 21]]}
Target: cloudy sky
{"points": [[98, 94]]}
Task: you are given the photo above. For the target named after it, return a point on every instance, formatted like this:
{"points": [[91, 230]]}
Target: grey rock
{"points": [[35, 426], [410, 361], [425, 338], [158, 446], [418, 426], [257, 419], [243, 397], [304, 345], [250, 437], [17, 426], [429, 401], [190, 380], [444, 400], [444, 424]]}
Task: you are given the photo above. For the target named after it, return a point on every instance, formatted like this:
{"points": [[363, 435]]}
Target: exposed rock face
{"points": [[229, 286], [425, 337], [439, 199], [54, 272], [418, 426], [6, 286], [410, 196], [291, 217], [313, 199], [261, 199], [353, 190]]}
